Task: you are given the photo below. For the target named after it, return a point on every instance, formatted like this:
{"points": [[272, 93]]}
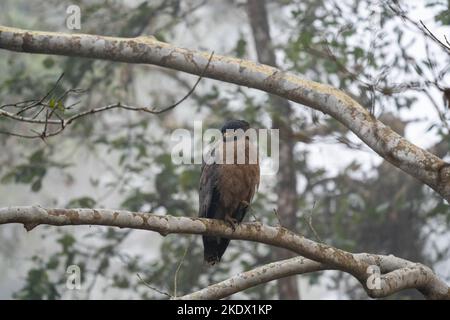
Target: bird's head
{"points": [[229, 129]]}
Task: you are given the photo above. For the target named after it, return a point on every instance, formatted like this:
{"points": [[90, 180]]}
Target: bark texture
{"points": [[395, 274]]}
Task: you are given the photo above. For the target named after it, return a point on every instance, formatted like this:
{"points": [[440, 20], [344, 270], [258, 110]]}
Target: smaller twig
{"points": [[70, 106], [19, 135], [190, 91], [310, 224], [432, 36], [39, 112], [27, 105], [175, 278], [438, 111], [41, 101], [17, 104], [53, 88], [44, 132], [420, 26], [275, 211], [446, 40], [24, 119], [153, 288], [68, 92], [65, 122]]}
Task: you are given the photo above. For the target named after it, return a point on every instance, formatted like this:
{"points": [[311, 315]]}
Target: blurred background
{"points": [[330, 187]]}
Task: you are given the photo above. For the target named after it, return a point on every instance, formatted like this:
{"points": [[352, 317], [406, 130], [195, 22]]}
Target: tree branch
{"points": [[396, 274], [397, 9], [417, 162], [64, 122], [254, 277]]}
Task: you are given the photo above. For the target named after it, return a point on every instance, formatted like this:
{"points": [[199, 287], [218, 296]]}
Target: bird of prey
{"points": [[226, 189]]}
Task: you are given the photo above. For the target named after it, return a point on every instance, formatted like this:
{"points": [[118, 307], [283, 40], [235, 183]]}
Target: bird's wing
{"points": [[208, 192]]}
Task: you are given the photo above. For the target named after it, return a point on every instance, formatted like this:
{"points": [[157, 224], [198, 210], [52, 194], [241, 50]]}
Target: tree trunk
{"points": [[287, 181]]}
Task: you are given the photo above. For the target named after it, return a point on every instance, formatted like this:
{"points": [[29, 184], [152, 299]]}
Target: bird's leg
{"points": [[231, 221]]}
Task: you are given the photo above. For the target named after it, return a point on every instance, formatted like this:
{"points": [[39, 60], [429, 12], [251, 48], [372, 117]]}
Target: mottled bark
{"points": [[244, 280], [395, 274], [281, 112]]}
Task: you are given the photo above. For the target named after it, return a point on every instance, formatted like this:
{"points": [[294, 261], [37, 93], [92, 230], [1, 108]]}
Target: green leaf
{"points": [[52, 103], [48, 63], [418, 69], [8, 178], [37, 156], [61, 106], [66, 241], [36, 186], [53, 263], [358, 52], [241, 48]]}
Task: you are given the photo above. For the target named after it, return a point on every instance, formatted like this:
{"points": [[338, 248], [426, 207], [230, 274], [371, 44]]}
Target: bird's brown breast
{"points": [[238, 182]]}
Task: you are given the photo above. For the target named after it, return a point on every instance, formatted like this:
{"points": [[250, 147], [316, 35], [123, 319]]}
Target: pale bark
{"points": [[419, 163], [396, 274], [251, 278]]}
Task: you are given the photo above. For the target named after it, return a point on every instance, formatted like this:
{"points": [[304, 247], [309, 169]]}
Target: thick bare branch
{"points": [[396, 274], [248, 279], [419, 163]]}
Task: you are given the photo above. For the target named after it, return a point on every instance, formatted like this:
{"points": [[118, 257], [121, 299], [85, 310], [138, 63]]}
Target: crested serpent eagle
{"points": [[227, 187]]}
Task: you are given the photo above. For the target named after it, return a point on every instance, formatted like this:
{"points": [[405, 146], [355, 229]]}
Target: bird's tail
{"points": [[214, 247]]}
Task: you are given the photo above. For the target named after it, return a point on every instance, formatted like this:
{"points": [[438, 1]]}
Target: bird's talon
{"points": [[232, 222]]}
